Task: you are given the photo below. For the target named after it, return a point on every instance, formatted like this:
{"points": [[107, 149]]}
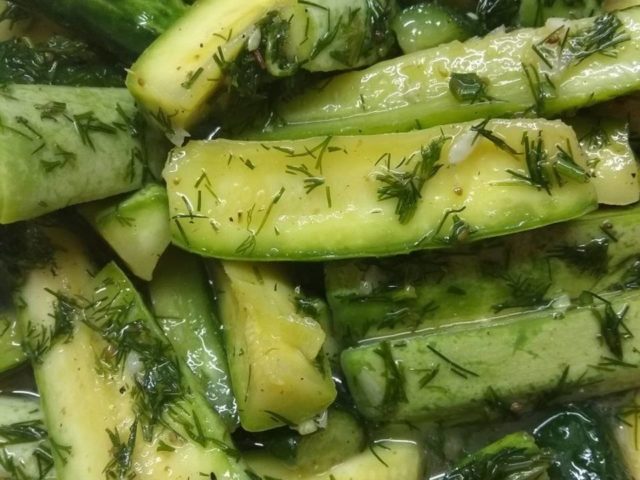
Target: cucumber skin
{"points": [[583, 444], [399, 94], [525, 361], [11, 354], [466, 283], [217, 205], [184, 310], [126, 27]]}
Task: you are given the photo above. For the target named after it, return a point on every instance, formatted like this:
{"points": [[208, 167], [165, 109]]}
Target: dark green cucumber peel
{"points": [[514, 457], [491, 369], [184, 310], [58, 61], [126, 27], [549, 76], [494, 278], [583, 445]]}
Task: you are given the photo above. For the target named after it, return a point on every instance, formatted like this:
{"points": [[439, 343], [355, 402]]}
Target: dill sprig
{"points": [[87, 125], [469, 88], [39, 339], [511, 462], [395, 381], [541, 87], [405, 186], [630, 279], [536, 160], [612, 327], [525, 292], [22, 432], [121, 464], [456, 368], [311, 182], [481, 130], [602, 37], [591, 257]]}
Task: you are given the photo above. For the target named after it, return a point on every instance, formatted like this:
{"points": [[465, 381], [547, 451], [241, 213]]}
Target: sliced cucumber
{"points": [[136, 227], [279, 373], [65, 145], [610, 158], [489, 369], [91, 338], [175, 77], [355, 196], [528, 271], [523, 71], [11, 354], [183, 306], [384, 461], [25, 452], [427, 25]]}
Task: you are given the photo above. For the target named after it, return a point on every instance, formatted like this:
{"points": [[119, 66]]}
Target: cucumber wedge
{"points": [[175, 77], [142, 416], [61, 146], [615, 172], [628, 433], [333, 197], [491, 369], [492, 279], [279, 373], [529, 70], [386, 461], [25, 452], [11, 354], [136, 227], [183, 305]]}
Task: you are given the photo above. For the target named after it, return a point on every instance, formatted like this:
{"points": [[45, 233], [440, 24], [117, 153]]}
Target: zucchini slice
{"points": [[333, 197]]}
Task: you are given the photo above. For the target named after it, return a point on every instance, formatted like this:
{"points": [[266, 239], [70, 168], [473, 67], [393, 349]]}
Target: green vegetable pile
{"points": [[319, 240]]}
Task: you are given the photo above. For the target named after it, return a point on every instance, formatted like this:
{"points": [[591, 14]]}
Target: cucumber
{"points": [[94, 334], [25, 452], [57, 60], [340, 437], [327, 35], [514, 457], [136, 227], [583, 445], [126, 27], [490, 369], [11, 354], [183, 306], [175, 77], [413, 90], [492, 279], [534, 13], [427, 25], [279, 373], [336, 197], [62, 146], [613, 165], [627, 434], [384, 461]]}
